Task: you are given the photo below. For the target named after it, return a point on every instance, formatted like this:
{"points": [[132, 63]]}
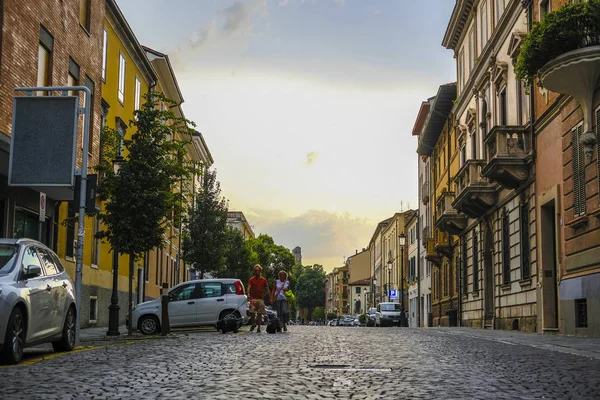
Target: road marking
{"points": [[48, 355]]}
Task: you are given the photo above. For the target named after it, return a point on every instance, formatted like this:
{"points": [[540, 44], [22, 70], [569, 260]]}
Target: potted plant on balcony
{"points": [[563, 53]]}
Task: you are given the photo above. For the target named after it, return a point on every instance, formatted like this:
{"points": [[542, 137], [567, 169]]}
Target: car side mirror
{"points": [[31, 271]]}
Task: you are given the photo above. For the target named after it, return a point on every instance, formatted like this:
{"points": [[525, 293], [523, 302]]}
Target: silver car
{"points": [[193, 303], [37, 299]]}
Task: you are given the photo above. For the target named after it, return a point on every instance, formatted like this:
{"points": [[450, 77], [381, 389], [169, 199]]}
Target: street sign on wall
{"points": [[393, 294]]}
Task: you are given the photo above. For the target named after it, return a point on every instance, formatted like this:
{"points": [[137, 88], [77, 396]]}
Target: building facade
{"points": [[413, 283], [237, 220], [495, 185], [358, 292]]}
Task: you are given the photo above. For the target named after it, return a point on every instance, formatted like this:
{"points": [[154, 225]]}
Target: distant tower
{"points": [[297, 255]]}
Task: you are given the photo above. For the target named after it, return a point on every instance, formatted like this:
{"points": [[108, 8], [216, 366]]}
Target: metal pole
{"points": [[113, 309], [83, 189]]}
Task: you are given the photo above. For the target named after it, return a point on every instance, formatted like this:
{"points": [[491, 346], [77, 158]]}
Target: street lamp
{"points": [[113, 309], [374, 290], [402, 242], [365, 297], [389, 279]]}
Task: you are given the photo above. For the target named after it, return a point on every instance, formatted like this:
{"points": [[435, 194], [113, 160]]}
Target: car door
{"points": [[57, 292], [40, 298], [182, 305], [378, 315], [211, 303]]}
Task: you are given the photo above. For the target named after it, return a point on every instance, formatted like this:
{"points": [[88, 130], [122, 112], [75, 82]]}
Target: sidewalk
{"points": [[585, 347], [87, 335]]}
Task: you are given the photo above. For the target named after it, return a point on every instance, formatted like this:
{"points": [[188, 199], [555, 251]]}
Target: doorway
{"points": [[488, 273], [549, 282]]}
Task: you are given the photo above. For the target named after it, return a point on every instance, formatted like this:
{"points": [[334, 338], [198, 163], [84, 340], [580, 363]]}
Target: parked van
{"points": [[389, 314]]}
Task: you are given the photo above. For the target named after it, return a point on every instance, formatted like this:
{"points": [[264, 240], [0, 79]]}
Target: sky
{"points": [[307, 106]]}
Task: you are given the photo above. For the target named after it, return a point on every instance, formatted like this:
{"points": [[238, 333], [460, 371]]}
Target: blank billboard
{"points": [[43, 142]]}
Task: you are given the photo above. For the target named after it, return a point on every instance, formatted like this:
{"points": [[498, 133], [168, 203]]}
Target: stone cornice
{"points": [[458, 21]]}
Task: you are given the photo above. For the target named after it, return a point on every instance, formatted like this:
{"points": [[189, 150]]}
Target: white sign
{"points": [[42, 206]]}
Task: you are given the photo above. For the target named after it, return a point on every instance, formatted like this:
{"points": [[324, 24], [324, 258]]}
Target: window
{"points": [[47, 262], [502, 117], [524, 229], [500, 7], [122, 129], [474, 145], [212, 289], [90, 85], [96, 243], [57, 262], [581, 320], [84, 14], [185, 292], [357, 290], [461, 70], [475, 263], [505, 247], [465, 275], [73, 76], [45, 48], [93, 309], [544, 8], [121, 94], [104, 53], [472, 50], [138, 93], [30, 257], [445, 285], [26, 224], [463, 155], [579, 196], [520, 102], [483, 25]]}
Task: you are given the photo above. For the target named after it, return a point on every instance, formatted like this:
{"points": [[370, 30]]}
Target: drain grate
{"points": [[348, 368]]}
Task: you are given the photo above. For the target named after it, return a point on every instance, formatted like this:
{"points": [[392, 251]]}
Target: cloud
{"points": [[323, 236], [311, 158]]}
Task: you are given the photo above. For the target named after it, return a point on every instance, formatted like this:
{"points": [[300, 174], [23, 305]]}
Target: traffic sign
{"points": [[42, 206], [393, 294]]}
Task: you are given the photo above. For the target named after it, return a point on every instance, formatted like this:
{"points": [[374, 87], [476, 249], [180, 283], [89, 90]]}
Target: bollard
{"points": [[164, 300]]}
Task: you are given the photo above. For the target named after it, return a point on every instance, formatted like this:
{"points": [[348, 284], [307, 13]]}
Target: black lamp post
{"points": [[365, 296], [374, 290], [113, 309], [402, 242]]}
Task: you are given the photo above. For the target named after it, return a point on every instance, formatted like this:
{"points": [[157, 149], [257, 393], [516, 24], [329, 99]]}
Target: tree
{"points": [[140, 199], [238, 262], [204, 241], [318, 314], [310, 290], [271, 257]]}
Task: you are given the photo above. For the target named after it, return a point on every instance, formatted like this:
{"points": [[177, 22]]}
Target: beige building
{"points": [[359, 265], [236, 219]]}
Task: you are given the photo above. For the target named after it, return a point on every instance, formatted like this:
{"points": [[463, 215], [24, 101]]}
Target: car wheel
{"points": [[14, 341], [149, 325], [67, 341]]}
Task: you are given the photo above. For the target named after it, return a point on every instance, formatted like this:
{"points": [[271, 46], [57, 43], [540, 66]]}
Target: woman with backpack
{"points": [[279, 299]]}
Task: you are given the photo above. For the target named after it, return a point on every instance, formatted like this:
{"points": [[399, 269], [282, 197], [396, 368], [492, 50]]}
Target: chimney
{"points": [[356, 252]]}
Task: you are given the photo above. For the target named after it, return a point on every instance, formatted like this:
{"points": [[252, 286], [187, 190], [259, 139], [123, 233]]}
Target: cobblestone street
{"points": [[318, 362]]}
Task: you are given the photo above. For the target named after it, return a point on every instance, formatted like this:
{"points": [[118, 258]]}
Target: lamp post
{"points": [[374, 290], [113, 309], [365, 297], [389, 279], [402, 242]]}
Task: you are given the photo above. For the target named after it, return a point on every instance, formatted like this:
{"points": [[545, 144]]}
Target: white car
{"points": [[193, 303]]}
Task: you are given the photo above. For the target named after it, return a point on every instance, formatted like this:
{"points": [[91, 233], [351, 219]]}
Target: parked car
{"points": [[333, 322], [389, 314], [37, 299], [194, 303], [371, 316], [345, 320]]}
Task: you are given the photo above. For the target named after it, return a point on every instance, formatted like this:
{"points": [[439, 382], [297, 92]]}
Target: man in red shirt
{"points": [[256, 292]]}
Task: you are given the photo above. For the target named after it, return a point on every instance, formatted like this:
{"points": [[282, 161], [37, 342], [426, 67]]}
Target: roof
{"points": [[165, 59], [421, 116], [437, 117], [379, 226], [198, 137], [457, 23], [361, 282]]}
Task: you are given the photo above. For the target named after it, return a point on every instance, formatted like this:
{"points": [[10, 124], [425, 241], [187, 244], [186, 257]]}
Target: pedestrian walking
{"points": [[281, 286], [257, 285]]}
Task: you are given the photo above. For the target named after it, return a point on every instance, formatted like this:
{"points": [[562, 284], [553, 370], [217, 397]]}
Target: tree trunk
{"points": [[131, 262]]}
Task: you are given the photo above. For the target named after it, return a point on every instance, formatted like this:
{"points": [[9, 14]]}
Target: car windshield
{"points": [[8, 256], [372, 311], [391, 307]]}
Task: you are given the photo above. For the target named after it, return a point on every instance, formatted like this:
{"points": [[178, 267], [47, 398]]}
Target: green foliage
{"points": [[318, 314], [571, 27], [331, 316], [272, 258], [237, 257], [205, 238], [141, 200], [310, 289], [363, 318]]}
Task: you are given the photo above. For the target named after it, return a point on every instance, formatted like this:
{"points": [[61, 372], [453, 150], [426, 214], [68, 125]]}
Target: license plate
{"points": [[395, 320]]}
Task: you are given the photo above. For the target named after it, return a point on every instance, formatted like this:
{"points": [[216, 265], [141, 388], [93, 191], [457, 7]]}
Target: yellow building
{"points": [[126, 76], [237, 219], [439, 141]]}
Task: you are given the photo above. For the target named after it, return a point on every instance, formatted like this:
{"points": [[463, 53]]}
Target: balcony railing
{"points": [[431, 254], [444, 203], [448, 219], [508, 150], [425, 193], [425, 236]]}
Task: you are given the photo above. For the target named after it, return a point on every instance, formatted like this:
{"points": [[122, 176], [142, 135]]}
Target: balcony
{"points": [[431, 254], [474, 194], [509, 154], [443, 245], [448, 219], [425, 236]]}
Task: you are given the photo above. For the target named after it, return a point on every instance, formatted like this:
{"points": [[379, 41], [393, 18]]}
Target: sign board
{"points": [[43, 144], [393, 294], [42, 206]]}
